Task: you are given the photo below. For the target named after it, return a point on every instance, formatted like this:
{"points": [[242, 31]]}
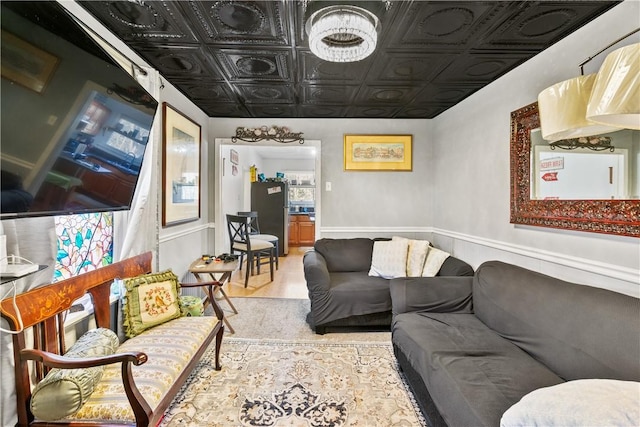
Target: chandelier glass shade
{"points": [[615, 98], [342, 33]]}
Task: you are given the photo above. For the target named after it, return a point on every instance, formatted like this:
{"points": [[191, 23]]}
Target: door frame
{"points": [[219, 221]]}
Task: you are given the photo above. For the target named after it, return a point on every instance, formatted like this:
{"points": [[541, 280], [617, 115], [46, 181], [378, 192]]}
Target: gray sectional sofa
{"points": [[342, 293], [471, 347]]}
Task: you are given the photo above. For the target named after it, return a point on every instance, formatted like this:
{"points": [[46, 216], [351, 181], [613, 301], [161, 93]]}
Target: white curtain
{"points": [[137, 229]]}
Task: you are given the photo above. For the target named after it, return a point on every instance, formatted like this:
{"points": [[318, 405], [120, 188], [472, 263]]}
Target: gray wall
{"points": [[361, 199], [471, 163]]}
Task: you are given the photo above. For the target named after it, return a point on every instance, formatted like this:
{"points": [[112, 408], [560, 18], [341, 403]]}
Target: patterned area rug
{"points": [[286, 383]]}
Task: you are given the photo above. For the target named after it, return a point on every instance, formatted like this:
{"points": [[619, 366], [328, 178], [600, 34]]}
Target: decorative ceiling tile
{"points": [[258, 65], [239, 22], [257, 110], [143, 21], [220, 109], [238, 58], [326, 111], [205, 90], [267, 92], [373, 112], [315, 70], [181, 62], [328, 94], [389, 95]]}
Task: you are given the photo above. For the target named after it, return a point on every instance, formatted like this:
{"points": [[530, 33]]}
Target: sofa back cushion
{"points": [[453, 266], [577, 331], [346, 254]]}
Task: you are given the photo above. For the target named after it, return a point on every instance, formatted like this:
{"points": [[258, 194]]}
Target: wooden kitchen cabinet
{"points": [[302, 231]]}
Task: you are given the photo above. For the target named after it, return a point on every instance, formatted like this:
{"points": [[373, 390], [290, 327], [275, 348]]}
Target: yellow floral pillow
{"points": [[150, 300]]}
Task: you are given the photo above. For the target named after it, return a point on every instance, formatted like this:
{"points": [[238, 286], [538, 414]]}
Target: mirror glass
{"points": [[579, 204], [602, 167]]}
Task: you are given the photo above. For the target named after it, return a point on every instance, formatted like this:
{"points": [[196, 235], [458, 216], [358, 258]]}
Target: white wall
{"points": [[471, 166]]}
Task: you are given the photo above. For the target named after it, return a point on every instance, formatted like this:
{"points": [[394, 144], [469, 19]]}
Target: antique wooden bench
{"points": [[122, 400]]}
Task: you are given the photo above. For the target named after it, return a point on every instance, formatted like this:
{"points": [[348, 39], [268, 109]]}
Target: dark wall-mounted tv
{"points": [[75, 124]]}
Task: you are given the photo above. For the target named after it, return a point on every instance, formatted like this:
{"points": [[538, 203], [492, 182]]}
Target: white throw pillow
{"points": [[389, 258], [435, 259], [418, 250], [590, 402], [417, 255]]}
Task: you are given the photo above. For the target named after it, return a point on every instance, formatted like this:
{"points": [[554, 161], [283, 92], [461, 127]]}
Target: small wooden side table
{"points": [[216, 268]]}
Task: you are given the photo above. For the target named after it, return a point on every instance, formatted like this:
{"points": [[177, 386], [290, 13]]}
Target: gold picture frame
{"points": [[181, 139], [26, 64], [378, 152]]}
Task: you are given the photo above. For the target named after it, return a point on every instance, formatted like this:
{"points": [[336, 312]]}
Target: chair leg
{"points": [[277, 246], [271, 262], [248, 270]]}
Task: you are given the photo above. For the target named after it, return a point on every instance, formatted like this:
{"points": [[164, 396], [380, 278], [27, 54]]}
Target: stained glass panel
{"points": [[85, 243]]}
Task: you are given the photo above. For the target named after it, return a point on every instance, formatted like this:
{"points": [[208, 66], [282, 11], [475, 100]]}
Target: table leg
{"points": [[205, 301]]}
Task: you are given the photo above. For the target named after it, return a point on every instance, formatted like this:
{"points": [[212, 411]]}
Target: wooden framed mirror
{"points": [[610, 216]]}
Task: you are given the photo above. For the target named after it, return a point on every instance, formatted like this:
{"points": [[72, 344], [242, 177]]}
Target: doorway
{"points": [[232, 177]]}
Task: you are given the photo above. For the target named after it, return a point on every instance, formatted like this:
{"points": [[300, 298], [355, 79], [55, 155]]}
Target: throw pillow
{"points": [[62, 392], [389, 259], [418, 250], [191, 306], [150, 300], [435, 259], [589, 402]]}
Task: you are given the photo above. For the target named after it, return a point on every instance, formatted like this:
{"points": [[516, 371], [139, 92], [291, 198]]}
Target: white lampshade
{"points": [[563, 110], [615, 98]]}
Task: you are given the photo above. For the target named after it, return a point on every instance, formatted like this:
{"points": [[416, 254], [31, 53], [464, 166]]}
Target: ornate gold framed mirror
{"points": [[610, 216]]}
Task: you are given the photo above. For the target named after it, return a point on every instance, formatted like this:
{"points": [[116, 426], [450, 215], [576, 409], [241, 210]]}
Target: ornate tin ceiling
{"points": [[251, 58]]}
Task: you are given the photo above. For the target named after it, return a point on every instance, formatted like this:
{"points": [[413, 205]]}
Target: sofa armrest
{"points": [[434, 294], [316, 272]]}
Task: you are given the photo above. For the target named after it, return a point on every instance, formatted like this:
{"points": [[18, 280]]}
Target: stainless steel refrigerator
{"points": [[271, 201]]}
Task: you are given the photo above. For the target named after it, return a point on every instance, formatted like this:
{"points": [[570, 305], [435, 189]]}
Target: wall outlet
{"points": [[327, 186]]}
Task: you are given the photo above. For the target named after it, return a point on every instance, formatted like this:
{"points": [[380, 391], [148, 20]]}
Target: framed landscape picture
{"points": [[181, 138], [378, 152], [26, 64]]}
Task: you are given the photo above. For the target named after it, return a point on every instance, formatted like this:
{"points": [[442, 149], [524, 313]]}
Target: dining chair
{"points": [[239, 241], [254, 232]]}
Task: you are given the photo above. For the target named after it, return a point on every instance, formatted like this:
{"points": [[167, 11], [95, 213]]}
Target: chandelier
{"points": [[342, 33]]}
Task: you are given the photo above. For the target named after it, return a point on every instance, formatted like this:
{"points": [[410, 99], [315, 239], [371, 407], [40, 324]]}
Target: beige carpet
{"points": [[280, 318], [277, 372], [280, 383]]}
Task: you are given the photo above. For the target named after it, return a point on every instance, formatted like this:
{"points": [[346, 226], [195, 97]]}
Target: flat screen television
{"points": [[74, 123]]}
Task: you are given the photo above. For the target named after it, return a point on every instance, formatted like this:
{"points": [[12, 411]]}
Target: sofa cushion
{"points": [[62, 392], [453, 266], [434, 260], [592, 402], [389, 259], [352, 294], [472, 374], [150, 300], [346, 254], [577, 331], [169, 348]]}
